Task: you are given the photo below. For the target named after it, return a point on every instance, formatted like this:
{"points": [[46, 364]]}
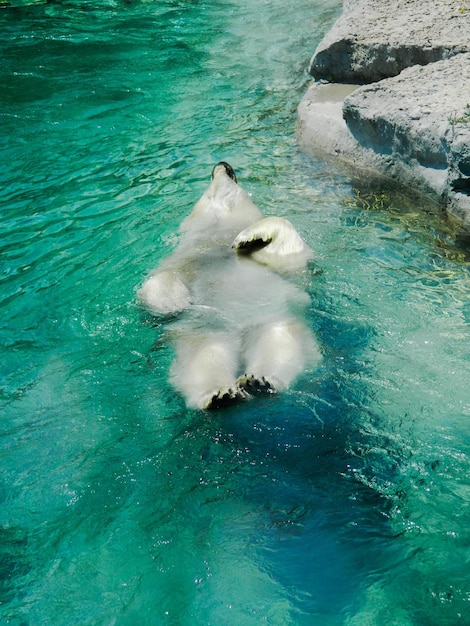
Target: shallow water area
{"points": [[344, 500]]}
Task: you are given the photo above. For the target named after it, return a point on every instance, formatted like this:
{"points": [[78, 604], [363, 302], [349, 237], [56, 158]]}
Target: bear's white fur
{"points": [[242, 330]]}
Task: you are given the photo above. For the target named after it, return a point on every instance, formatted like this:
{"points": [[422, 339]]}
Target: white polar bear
{"points": [[242, 329]]}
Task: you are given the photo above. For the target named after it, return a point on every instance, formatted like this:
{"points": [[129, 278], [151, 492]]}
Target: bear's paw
{"points": [[274, 242], [256, 384], [225, 397], [164, 293]]}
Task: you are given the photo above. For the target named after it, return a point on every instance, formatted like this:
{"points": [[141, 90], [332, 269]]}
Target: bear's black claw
{"points": [[224, 398], [253, 384]]}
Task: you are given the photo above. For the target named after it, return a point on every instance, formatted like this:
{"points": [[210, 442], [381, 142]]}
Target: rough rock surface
{"points": [[417, 127], [374, 39], [321, 127], [414, 125]]}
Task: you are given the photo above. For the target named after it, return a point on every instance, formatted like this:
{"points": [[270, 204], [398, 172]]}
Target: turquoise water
{"points": [[344, 500]]}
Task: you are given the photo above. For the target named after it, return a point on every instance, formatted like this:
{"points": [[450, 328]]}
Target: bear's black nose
{"points": [[228, 168]]}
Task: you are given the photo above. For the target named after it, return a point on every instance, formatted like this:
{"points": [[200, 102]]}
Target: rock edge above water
{"points": [[409, 118]]}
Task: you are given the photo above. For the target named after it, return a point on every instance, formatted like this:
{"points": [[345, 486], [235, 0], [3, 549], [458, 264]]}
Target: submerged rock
{"points": [[413, 125]]}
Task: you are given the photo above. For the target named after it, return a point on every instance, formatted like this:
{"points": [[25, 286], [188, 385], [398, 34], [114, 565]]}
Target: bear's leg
{"points": [[275, 354], [205, 371]]}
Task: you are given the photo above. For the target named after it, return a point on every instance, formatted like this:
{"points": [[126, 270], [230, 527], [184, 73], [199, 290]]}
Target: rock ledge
{"points": [[410, 119]]}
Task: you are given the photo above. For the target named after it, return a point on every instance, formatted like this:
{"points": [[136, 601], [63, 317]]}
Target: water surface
{"points": [[344, 500]]}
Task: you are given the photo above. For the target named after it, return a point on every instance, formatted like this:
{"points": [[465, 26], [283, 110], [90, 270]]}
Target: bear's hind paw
{"points": [[225, 397], [255, 384]]}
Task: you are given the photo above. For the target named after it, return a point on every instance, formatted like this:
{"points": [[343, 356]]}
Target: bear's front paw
{"points": [[254, 384], [225, 397], [164, 293]]}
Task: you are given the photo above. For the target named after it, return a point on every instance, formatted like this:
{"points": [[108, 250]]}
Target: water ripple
{"points": [[118, 504]]}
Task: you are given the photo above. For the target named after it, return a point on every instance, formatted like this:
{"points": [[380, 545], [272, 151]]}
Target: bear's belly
{"points": [[238, 293]]}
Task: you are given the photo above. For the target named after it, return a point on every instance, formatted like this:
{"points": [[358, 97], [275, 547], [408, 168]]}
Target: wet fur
{"points": [[241, 329]]}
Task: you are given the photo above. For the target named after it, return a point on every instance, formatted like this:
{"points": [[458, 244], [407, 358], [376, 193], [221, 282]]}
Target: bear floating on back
{"points": [[241, 328]]}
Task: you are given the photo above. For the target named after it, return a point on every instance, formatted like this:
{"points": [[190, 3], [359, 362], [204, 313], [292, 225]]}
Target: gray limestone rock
{"points": [[410, 119], [414, 128], [417, 127], [321, 128], [374, 39]]}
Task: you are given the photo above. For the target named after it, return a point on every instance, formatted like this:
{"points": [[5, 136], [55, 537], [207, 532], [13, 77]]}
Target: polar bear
{"points": [[241, 328]]}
